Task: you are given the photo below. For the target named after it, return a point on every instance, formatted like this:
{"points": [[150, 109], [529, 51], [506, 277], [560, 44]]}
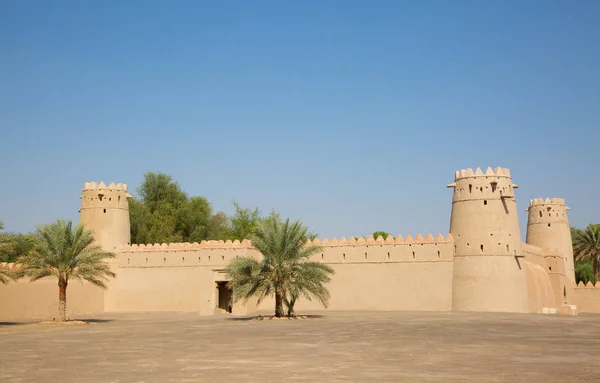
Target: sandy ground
{"points": [[338, 347]]}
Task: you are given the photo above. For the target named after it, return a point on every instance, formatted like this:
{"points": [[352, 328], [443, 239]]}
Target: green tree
{"points": [[164, 213], [584, 271], [15, 245], [244, 222], [5, 273], [586, 245], [66, 253], [383, 234], [194, 219], [218, 227], [138, 218], [284, 271], [159, 189], [160, 215]]}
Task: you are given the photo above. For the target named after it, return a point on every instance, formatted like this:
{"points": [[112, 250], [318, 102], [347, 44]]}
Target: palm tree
{"points": [[284, 270], [66, 253], [5, 273], [586, 244]]}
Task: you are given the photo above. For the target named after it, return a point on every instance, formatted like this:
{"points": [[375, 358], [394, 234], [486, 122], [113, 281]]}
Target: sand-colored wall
{"points": [[485, 226], [587, 297], [397, 274], [548, 228], [407, 274], [174, 277], [32, 300], [540, 291], [105, 210]]}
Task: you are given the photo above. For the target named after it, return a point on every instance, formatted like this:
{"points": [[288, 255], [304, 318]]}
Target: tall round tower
{"points": [[105, 210], [488, 275], [548, 228]]}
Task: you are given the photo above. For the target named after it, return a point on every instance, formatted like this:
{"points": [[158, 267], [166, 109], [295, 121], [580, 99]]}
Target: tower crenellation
{"points": [[485, 226], [105, 210], [548, 227]]}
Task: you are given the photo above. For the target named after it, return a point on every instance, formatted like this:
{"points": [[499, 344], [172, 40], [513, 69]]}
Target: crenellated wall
{"points": [[23, 299], [393, 274], [587, 297], [482, 266]]}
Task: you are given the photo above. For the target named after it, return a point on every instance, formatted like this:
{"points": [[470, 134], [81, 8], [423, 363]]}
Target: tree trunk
{"points": [[290, 308], [62, 300], [278, 304], [596, 267]]}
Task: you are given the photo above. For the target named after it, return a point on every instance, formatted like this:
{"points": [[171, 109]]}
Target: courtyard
{"points": [[336, 347]]}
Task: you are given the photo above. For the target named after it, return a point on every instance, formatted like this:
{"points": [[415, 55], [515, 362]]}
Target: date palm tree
{"points": [[66, 253], [284, 271], [586, 245], [5, 273]]}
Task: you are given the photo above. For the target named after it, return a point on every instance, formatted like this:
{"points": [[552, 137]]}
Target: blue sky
{"points": [[351, 116]]}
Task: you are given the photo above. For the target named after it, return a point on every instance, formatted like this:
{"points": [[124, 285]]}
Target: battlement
{"points": [[398, 240], [184, 246], [541, 203], [247, 244], [533, 250], [102, 186], [9, 266], [588, 285], [494, 184], [352, 251], [547, 201], [552, 252], [489, 172]]}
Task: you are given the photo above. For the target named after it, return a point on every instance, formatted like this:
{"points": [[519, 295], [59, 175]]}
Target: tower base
{"points": [[489, 283]]}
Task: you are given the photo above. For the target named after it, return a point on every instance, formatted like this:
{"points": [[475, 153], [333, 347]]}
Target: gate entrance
{"points": [[225, 301]]}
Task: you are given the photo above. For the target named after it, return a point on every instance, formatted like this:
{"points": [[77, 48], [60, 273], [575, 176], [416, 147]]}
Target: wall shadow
{"points": [[268, 317], [92, 320], [13, 323]]}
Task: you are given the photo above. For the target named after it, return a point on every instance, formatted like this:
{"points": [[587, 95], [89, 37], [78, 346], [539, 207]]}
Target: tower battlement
{"points": [[548, 227], [102, 186], [547, 211], [489, 172], [547, 201], [105, 210], [494, 184]]}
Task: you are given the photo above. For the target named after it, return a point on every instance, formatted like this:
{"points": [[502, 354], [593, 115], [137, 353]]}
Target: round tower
{"points": [[548, 228], [105, 210], [488, 275]]}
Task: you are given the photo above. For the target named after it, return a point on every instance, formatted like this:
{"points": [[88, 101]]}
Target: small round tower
{"points": [[105, 210], [548, 228], [488, 275]]}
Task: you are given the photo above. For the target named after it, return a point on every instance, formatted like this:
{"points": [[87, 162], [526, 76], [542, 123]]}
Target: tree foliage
{"points": [[285, 271], [164, 213], [5, 246], [382, 234], [65, 253], [586, 247], [243, 222]]}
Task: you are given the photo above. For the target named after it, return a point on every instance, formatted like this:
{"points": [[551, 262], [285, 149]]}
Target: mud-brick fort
{"points": [[481, 265]]}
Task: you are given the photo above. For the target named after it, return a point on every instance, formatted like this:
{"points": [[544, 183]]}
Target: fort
{"points": [[480, 265]]}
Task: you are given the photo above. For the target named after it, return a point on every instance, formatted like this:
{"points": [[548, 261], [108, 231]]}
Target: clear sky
{"points": [[351, 116]]}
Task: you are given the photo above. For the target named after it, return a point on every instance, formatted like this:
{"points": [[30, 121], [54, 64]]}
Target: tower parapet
{"points": [[105, 210], [548, 227], [484, 224]]}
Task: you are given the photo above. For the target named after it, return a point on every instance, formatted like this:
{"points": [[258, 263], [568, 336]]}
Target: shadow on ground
{"points": [[14, 323], [93, 320], [272, 317]]}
